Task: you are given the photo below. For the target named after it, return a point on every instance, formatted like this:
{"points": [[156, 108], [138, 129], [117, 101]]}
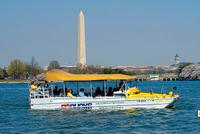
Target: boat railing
{"points": [[76, 98], [97, 97], [40, 94]]}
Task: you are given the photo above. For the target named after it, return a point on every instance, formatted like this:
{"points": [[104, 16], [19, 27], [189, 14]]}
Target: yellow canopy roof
{"points": [[60, 75]]}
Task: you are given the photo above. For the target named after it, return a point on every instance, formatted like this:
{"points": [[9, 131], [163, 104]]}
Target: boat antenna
{"points": [[136, 83], [162, 88]]}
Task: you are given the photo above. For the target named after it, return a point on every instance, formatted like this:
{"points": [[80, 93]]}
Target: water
{"points": [[16, 116]]}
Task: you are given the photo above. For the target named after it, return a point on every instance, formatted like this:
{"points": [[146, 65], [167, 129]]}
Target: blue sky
{"points": [[118, 32]]}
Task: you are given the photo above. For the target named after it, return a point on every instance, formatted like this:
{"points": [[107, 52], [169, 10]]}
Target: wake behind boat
{"points": [[121, 97]]}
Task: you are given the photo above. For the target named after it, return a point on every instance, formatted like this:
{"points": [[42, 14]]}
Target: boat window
{"points": [[90, 88]]}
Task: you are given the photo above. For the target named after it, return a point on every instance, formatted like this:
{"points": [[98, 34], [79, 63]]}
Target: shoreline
{"points": [[13, 81]]}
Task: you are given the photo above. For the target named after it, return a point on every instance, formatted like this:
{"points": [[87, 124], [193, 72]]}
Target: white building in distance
{"points": [[177, 59]]}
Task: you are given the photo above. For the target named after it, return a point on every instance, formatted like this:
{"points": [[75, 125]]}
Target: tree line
{"points": [[29, 70], [90, 69], [25, 70]]}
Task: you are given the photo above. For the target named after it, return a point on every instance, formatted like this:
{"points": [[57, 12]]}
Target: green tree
{"points": [[1, 73], [54, 65], [16, 69], [5, 73], [116, 71], [107, 71]]}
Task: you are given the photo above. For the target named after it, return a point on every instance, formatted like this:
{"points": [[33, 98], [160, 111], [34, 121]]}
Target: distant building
{"points": [[154, 77], [65, 67], [177, 59], [45, 67], [141, 69]]}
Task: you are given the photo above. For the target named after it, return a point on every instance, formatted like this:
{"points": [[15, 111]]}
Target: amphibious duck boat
{"points": [[125, 97]]}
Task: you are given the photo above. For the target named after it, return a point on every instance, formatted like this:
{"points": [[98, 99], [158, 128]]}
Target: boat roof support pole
{"points": [[64, 88], [77, 86], [104, 87], [52, 91], [91, 89], [136, 84], [43, 92]]}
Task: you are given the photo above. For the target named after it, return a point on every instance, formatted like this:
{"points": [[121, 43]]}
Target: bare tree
{"points": [[53, 65], [33, 68]]}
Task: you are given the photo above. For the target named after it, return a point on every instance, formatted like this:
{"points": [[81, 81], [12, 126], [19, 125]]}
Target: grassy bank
{"points": [[13, 81]]}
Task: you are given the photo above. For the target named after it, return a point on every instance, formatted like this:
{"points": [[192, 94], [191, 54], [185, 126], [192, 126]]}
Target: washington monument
{"points": [[81, 41]]}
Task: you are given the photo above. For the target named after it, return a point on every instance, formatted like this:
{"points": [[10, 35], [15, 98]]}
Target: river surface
{"points": [[17, 117]]}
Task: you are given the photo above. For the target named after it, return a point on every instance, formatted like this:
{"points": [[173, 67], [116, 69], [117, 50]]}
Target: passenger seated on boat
{"points": [[81, 93], [40, 87], [61, 92], [98, 92], [92, 93], [110, 92], [47, 89], [55, 91], [42, 91], [33, 87], [69, 94], [50, 91], [35, 92], [46, 84]]}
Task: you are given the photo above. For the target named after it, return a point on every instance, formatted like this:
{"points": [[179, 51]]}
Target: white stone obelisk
{"points": [[81, 41]]}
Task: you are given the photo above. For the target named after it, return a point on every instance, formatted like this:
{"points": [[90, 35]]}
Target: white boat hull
{"points": [[89, 103]]}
